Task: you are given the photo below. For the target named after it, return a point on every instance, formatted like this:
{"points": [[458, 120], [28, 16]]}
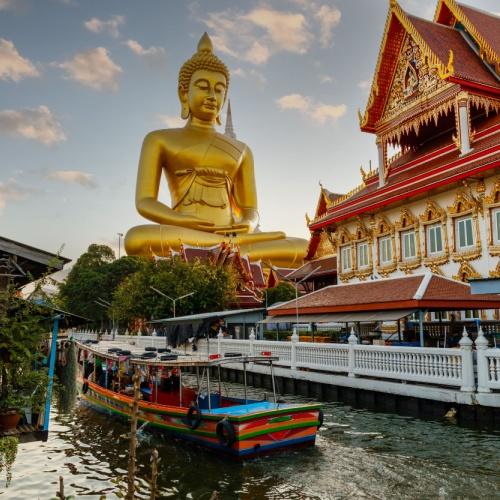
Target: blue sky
{"points": [[82, 82]]}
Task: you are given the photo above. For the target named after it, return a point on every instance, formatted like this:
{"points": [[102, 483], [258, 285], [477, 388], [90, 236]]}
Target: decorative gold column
{"points": [[382, 160], [463, 132]]}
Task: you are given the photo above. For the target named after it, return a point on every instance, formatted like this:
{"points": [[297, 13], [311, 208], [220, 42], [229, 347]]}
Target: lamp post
{"points": [[170, 298], [107, 305], [120, 236]]}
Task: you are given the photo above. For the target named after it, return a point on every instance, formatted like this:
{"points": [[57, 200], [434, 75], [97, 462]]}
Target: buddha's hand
{"points": [[232, 229], [193, 222]]}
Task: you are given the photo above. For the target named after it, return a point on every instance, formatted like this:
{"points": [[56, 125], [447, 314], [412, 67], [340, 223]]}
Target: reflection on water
{"points": [[359, 454]]}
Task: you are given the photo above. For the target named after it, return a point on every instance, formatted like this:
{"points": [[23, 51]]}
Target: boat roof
{"points": [[101, 349]]}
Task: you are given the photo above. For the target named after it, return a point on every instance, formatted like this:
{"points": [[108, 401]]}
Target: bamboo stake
{"points": [[154, 473], [133, 435], [60, 493]]}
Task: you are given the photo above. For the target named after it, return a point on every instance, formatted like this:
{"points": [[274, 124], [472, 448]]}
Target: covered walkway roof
{"points": [[410, 293], [240, 314]]}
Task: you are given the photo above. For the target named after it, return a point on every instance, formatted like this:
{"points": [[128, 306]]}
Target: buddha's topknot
{"points": [[204, 58]]}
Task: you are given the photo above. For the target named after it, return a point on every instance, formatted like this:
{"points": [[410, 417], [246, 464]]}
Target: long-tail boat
{"points": [[178, 398]]}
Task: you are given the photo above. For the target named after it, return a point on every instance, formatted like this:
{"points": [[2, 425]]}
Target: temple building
{"points": [[433, 203]]}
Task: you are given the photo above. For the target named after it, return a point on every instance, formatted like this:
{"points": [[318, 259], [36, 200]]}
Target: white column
{"points": [[463, 123], [220, 336], [352, 340], [295, 340], [251, 338], [381, 162], [482, 362], [468, 382]]}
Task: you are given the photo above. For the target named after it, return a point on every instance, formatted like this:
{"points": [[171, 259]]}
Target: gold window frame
{"points": [[433, 214], [492, 203], [383, 228], [408, 222]]}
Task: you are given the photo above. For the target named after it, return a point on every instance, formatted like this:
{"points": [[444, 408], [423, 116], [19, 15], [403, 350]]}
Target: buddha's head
{"points": [[203, 84]]}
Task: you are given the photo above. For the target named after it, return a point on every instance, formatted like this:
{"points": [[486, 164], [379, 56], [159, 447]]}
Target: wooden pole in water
{"points": [[133, 435], [60, 493], [154, 473]]}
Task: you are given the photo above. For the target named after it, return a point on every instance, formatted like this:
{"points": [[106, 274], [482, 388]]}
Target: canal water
{"points": [[359, 454]]}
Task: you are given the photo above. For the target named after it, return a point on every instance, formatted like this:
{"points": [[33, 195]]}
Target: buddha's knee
{"points": [[137, 241]]}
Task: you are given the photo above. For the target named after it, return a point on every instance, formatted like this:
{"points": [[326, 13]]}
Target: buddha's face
{"points": [[206, 94]]}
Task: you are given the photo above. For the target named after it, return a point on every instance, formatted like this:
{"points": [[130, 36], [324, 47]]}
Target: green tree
{"points": [[281, 293], [95, 275], [213, 287]]}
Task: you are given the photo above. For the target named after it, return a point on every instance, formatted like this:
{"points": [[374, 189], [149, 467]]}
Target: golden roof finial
{"points": [[205, 44]]}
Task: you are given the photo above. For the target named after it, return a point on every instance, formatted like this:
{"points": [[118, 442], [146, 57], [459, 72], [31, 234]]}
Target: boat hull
{"points": [[263, 429]]}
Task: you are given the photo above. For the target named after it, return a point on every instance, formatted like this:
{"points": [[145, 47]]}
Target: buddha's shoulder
{"points": [[240, 146]]}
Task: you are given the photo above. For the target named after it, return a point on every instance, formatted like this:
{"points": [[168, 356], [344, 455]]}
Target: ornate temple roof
{"points": [[414, 174], [445, 48]]}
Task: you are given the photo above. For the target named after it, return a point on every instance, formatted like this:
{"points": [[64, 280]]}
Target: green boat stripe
{"points": [[298, 425]]}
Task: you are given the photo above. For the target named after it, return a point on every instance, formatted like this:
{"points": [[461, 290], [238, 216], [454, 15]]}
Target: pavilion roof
{"points": [[324, 266], [416, 173], [425, 291]]}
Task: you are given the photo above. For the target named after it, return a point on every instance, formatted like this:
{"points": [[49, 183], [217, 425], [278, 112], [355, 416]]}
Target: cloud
{"points": [[319, 112], [326, 79], [364, 84], [288, 31], [258, 34], [72, 177], [257, 53], [12, 191], [328, 18], [249, 74], [92, 68], [172, 121], [139, 50], [111, 26], [7, 4], [13, 66], [38, 124]]}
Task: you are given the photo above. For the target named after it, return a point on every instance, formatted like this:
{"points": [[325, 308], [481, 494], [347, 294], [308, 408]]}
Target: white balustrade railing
{"points": [[424, 365], [416, 364]]}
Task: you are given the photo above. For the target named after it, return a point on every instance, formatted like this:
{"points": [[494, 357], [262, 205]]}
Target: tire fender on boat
{"points": [[225, 432], [193, 416], [85, 387], [321, 417]]}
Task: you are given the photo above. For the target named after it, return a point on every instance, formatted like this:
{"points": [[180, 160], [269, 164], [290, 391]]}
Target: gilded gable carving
{"points": [[466, 272], [383, 227], [413, 78], [432, 213], [325, 246], [406, 220], [361, 232], [464, 203], [493, 198]]}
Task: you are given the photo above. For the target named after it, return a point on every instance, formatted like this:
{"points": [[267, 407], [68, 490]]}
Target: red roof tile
{"points": [[430, 291], [441, 39], [326, 265]]}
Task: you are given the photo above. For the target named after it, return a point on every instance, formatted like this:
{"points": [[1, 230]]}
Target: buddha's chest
{"points": [[216, 155]]}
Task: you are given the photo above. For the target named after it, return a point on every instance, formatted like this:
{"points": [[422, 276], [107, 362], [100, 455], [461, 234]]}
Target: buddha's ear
{"points": [[184, 102]]}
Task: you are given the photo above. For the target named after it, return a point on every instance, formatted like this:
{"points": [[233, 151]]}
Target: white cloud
{"points": [[364, 84], [38, 124], [294, 101], [328, 18], [326, 79], [258, 34], [11, 191], [13, 66], [257, 53], [249, 74], [317, 111], [7, 4], [172, 121], [139, 50], [288, 31], [73, 177], [111, 26], [93, 68]]}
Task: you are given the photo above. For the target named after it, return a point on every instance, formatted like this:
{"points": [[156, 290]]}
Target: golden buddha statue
{"points": [[210, 177]]}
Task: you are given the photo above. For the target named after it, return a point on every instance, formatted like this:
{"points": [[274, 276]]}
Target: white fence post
{"points": [[468, 383], [295, 340], [482, 362], [251, 338], [353, 340], [220, 336]]}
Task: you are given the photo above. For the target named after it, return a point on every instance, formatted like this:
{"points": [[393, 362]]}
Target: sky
{"points": [[83, 81]]}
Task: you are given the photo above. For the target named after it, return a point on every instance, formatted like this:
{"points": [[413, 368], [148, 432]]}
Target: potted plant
{"points": [[10, 410]]}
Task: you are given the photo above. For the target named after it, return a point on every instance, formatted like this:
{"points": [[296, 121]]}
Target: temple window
{"points": [[362, 254], [385, 250], [408, 245], [495, 226], [464, 233], [471, 314], [345, 258], [435, 239]]}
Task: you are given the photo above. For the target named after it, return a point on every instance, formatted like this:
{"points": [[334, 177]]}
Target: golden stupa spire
{"points": [[205, 44]]}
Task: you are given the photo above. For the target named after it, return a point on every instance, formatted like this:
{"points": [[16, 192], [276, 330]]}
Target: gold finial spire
{"points": [[205, 44]]}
